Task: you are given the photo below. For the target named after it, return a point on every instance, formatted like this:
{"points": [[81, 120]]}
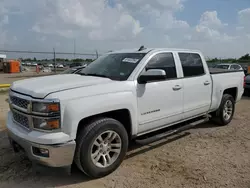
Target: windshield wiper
{"points": [[94, 74]]}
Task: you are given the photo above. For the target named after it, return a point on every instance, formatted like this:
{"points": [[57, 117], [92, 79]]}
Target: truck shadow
{"points": [[206, 126], [137, 149], [17, 170], [245, 98]]}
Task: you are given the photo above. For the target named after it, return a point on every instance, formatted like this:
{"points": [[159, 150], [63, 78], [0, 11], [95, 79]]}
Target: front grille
{"points": [[22, 103], [21, 119]]}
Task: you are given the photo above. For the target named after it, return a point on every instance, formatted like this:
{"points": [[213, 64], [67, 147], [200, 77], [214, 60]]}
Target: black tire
{"points": [[217, 116], [85, 139], [246, 93]]}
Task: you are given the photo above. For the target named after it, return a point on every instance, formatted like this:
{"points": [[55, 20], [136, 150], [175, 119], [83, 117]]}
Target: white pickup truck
{"points": [[90, 118]]}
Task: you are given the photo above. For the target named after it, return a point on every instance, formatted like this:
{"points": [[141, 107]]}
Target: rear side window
{"points": [[191, 64], [163, 61], [235, 67]]}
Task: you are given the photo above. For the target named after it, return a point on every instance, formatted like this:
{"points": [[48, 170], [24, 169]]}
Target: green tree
{"points": [[245, 57]]}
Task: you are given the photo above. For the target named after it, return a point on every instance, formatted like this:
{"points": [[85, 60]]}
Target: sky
{"points": [[219, 28]]}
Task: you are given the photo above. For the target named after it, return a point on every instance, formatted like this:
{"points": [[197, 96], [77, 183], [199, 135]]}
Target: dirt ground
{"points": [[9, 78], [206, 156]]}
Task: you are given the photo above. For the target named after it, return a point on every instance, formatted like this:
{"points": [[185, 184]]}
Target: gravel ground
{"points": [[207, 156], [9, 78]]}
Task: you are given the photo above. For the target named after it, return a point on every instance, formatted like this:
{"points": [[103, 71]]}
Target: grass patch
{"points": [[4, 91]]}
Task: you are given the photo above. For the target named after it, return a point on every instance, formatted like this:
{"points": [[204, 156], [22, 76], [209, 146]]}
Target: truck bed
{"points": [[223, 79], [219, 71]]}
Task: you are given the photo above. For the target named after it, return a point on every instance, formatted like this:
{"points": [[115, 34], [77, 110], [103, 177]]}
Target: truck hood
{"points": [[40, 87]]}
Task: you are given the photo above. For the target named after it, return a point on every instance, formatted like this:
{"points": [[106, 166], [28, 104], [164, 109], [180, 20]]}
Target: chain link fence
{"points": [[53, 60]]}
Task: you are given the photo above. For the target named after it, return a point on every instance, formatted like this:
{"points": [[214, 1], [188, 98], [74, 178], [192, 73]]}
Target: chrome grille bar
{"points": [[21, 108]]}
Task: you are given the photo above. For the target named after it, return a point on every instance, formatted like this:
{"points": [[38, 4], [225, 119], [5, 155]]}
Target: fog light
{"points": [[40, 152]]}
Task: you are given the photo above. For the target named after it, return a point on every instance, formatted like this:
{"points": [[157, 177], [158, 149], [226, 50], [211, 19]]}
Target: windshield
{"points": [[117, 66], [222, 66]]}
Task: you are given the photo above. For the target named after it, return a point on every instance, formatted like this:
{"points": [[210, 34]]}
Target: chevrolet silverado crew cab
{"points": [[89, 118]]}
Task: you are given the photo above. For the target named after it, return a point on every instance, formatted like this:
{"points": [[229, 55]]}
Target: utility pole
{"points": [[54, 60], [96, 54], [74, 48]]}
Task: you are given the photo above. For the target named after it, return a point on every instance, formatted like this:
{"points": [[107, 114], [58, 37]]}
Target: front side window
{"points": [[191, 64], [163, 61], [117, 66]]}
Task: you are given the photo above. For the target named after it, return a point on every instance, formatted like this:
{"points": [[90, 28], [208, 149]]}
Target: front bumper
{"points": [[59, 155]]}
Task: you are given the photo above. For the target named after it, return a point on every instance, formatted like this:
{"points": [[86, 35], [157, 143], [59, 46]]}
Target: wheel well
{"points": [[232, 92], [121, 115]]}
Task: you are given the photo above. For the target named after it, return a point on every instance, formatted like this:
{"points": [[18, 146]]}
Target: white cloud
{"points": [[210, 27], [173, 5], [3, 37], [158, 14], [93, 19], [167, 21], [4, 19], [244, 19], [210, 19], [122, 24]]}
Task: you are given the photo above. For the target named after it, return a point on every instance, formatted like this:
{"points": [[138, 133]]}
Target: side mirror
{"points": [[152, 75]]}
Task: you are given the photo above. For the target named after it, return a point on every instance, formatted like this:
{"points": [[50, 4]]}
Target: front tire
{"points": [[101, 147], [225, 112]]}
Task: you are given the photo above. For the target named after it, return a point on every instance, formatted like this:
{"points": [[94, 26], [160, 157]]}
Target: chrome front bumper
{"points": [[59, 155]]}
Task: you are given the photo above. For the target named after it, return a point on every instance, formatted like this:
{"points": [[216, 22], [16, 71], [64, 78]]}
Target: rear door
{"points": [[197, 85]]}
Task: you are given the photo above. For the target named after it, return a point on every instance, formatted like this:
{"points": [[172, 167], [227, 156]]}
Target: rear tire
{"points": [[246, 93], [101, 147], [225, 112]]}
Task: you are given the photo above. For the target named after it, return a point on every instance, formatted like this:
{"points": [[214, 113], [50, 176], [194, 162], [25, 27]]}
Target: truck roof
{"points": [[146, 50]]}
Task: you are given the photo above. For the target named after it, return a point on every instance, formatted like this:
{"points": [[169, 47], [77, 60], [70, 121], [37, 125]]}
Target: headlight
{"points": [[50, 110], [46, 108], [46, 124]]}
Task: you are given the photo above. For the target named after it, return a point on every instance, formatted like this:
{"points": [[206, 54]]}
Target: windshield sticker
{"points": [[130, 60]]}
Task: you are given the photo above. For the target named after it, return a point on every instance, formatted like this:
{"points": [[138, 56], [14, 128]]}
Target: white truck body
{"points": [[150, 106]]}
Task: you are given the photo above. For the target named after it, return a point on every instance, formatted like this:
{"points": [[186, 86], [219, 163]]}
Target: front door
{"points": [[161, 102]]}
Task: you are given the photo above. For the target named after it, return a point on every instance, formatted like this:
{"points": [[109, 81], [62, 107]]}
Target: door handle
{"points": [[206, 83], [176, 87]]}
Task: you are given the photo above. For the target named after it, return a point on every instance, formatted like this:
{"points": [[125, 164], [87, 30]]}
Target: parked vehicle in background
{"points": [[90, 117], [74, 70], [76, 64], [247, 85], [245, 68], [59, 66], [229, 66]]}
